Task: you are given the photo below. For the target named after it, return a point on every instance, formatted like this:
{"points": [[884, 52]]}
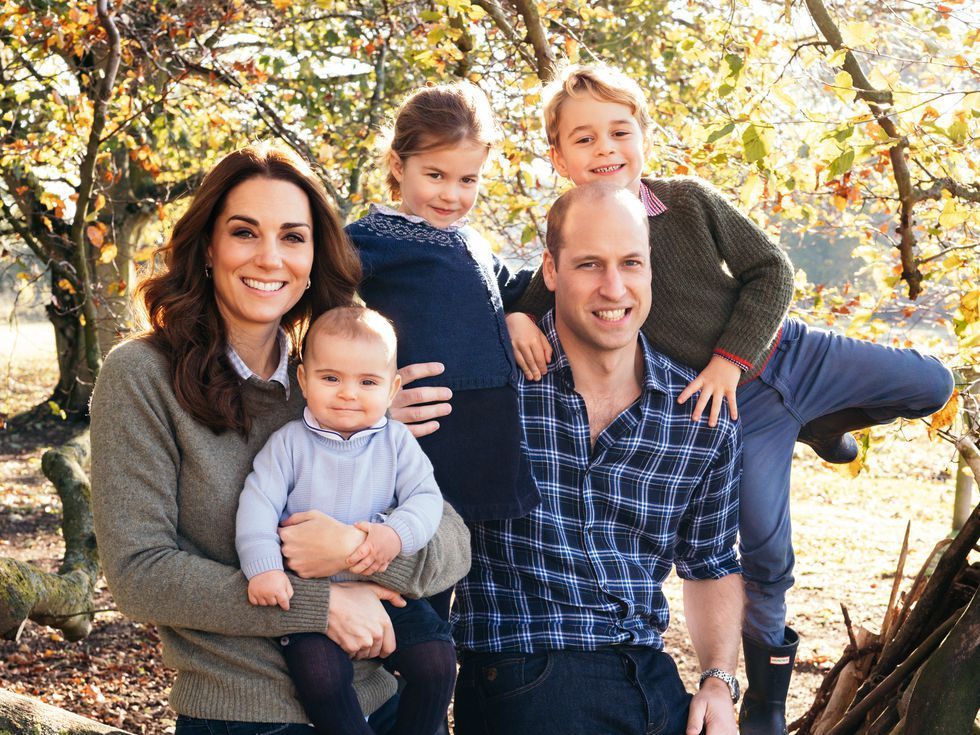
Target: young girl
{"points": [[437, 280]]}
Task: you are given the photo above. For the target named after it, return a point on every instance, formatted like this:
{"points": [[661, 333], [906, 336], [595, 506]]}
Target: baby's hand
{"points": [[270, 588], [532, 351], [381, 546], [717, 382]]}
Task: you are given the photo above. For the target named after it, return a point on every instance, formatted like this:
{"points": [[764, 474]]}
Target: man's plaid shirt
{"points": [[585, 568]]}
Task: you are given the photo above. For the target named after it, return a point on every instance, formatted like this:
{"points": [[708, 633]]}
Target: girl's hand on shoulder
{"points": [[532, 351], [717, 382], [418, 408]]}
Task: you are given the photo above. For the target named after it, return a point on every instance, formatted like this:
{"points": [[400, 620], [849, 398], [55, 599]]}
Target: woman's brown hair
{"points": [[180, 303], [439, 116]]}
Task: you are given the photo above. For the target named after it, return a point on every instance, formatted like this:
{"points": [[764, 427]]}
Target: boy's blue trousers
{"points": [[812, 373]]}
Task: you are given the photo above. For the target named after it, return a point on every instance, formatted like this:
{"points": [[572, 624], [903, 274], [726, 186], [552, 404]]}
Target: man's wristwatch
{"points": [[725, 677]]}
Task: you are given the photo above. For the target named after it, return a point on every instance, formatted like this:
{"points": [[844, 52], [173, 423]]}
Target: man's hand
{"points": [[719, 380], [532, 351], [357, 622], [418, 407], [376, 551], [270, 588], [711, 710], [316, 545]]}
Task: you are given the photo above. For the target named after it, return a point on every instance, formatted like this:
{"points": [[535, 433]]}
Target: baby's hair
{"points": [[436, 117], [353, 322], [605, 83]]}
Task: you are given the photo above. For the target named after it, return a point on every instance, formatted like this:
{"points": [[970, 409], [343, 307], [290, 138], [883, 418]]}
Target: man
{"points": [[560, 620]]}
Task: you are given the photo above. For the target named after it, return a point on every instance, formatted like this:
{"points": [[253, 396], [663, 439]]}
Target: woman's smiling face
{"points": [[261, 253]]}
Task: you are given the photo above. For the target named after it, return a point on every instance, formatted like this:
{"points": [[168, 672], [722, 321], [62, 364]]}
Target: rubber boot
{"points": [[768, 669], [828, 435]]}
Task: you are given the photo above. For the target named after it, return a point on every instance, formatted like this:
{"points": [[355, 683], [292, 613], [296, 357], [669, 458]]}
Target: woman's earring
{"points": [[309, 283], [207, 271]]}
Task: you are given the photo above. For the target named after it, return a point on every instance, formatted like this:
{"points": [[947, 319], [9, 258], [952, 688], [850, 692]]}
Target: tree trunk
{"points": [[20, 715], [62, 600]]}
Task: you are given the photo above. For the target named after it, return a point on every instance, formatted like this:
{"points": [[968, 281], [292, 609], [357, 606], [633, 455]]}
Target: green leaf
{"points": [[842, 164], [721, 133], [754, 145], [735, 64], [530, 232], [431, 16]]}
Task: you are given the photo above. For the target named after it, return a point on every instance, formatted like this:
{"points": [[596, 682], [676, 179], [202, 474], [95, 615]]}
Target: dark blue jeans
{"points": [[196, 726], [621, 690]]}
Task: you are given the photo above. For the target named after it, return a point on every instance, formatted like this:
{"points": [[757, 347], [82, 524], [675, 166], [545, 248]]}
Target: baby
{"points": [[348, 460]]}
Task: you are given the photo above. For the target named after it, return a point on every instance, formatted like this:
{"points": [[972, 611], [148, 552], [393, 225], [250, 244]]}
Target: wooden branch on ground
{"points": [[935, 590], [935, 707], [20, 715], [62, 600]]}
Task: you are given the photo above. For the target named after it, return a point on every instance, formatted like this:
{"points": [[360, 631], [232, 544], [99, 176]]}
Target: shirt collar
{"points": [[281, 374], [651, 202], [313, 425], [655, 367], [391, 212]]}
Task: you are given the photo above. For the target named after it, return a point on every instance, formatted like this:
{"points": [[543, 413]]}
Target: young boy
{"points": [[721, 290], [346, 459]]}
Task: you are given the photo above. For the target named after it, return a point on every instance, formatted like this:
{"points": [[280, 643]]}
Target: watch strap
{"points": [[730, 680]]}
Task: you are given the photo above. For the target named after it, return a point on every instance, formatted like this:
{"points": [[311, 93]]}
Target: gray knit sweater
{"points": [[720, 285], [164, 493]]}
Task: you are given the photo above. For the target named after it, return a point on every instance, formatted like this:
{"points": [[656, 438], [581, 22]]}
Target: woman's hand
{"points": [[408, 407], [358, 623], [717, 382], [532, 351], [316, 545]]}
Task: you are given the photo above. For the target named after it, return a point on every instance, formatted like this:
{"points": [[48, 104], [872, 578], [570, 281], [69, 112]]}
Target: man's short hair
{"points": [[353, 322], [605, 83], [594, 192]]}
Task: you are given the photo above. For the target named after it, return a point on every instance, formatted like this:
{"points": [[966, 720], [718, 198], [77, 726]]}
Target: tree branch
{"points": [[968, 192], [897, 153], [93, 353], [545, 65], [500, 20]]}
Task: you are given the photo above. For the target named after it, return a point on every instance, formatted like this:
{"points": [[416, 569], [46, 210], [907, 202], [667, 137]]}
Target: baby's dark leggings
{"points": [[324, 674]]}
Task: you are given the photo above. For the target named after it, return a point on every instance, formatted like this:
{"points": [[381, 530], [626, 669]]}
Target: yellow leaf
{"points": [[844, 86], [751, 190], [281, 4], [857, 33], [108, 253], [65, 285], [945, 416], [953, 214], [837, 58]]}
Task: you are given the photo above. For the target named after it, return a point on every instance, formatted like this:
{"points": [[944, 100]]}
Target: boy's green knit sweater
{"points": [[164, 491], [720, 285]]}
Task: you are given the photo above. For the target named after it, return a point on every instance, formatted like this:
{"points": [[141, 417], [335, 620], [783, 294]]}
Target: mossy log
{"points": [[62, 600], [20, 715]]}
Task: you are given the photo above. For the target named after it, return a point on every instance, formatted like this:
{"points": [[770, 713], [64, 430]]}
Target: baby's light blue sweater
{"points": [[379, 475]]}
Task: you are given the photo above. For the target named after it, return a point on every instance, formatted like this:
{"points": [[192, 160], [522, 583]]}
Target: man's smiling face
{"points": [[601, 275]]}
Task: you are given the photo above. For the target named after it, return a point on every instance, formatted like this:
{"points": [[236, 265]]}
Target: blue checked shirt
{"points": [[585, 568]]}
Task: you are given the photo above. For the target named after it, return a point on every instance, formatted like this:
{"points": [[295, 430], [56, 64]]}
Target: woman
{"points": [[179, 413]]}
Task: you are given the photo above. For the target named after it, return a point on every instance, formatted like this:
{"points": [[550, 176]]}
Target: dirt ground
{"points": [[848, 534]]}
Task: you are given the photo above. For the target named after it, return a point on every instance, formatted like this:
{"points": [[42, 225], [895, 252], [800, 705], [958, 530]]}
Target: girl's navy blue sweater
{"points": [[445, 292]]}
